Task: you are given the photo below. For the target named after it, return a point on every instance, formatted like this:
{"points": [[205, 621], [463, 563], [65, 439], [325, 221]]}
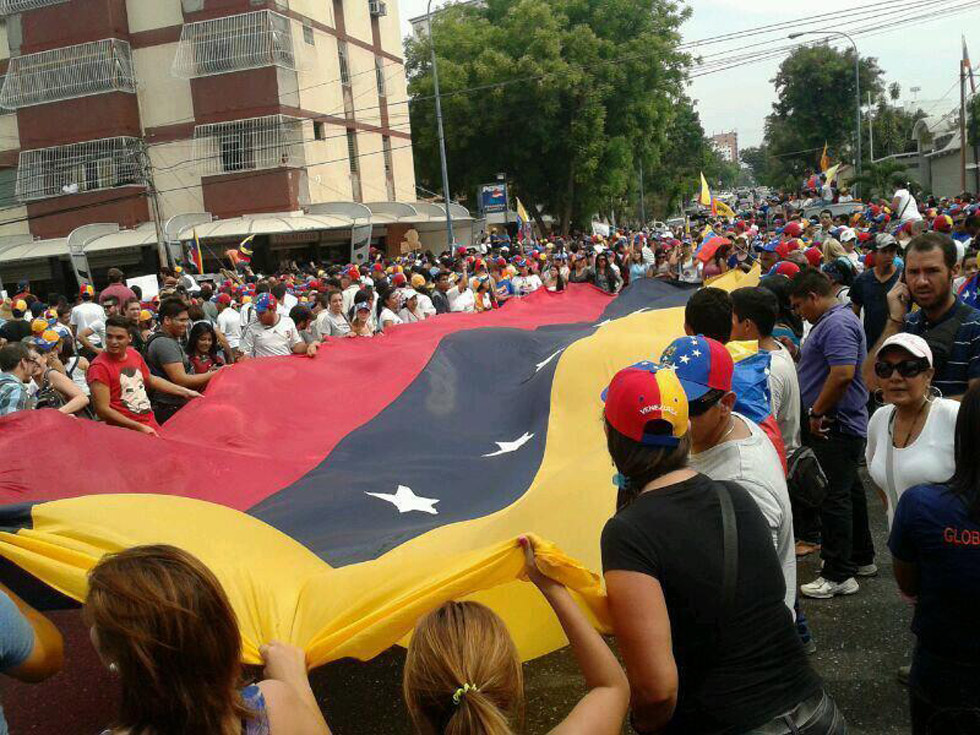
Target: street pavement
{"points": [[861, 641]]}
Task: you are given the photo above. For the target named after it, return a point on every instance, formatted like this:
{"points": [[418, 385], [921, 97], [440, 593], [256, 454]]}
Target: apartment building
{"points": [[154, 117]]}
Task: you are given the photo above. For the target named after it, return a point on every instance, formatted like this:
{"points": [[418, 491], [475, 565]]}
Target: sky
{"points": [[923, 54]]}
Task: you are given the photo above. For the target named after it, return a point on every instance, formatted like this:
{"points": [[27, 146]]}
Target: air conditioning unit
{"points": [[378, 8]]}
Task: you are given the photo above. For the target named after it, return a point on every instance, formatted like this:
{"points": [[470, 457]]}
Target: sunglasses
{"points": [[905, 368]]}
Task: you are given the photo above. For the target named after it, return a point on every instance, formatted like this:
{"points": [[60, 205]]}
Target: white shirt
{"points": [[85, 315], [907, 209], [348, 295], [229, 324], [329, 324], [928, 459], [784, 389], [425, 305], [465, 301], [259, 340], [523, 285], [691, 271], [408, 317], [754, 464], [649, 257], [387, 315]]}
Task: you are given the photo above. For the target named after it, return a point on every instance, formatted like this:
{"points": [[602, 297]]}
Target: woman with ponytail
{"points": [[463, 674]]}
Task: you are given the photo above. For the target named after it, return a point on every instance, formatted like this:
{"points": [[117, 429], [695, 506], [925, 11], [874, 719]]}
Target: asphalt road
{"points": [[861, 641]]}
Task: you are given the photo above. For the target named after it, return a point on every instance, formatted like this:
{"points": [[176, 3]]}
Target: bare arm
{"points": [[602, 709], [165, 386], [289, 699], [642, 624], [47, 655], [77, 400], [907, 576], [176, 374], [103, 409], [83, 338]]}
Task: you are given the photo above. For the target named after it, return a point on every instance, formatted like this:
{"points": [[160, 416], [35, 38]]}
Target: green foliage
{"points": [[815, 104], [880, 179], [589, 87]]}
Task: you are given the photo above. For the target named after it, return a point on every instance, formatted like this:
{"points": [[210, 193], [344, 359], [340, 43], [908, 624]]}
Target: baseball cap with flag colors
{"points": [[645, 402], [265, 302], [702, 364], [86, 289]]}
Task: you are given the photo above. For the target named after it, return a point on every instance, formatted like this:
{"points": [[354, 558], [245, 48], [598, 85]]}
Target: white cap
{"points": [[911, 343], [847, 235]]}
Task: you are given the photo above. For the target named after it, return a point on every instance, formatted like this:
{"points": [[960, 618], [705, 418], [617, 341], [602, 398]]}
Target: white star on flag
{"points": [[507, 447], [685, 359], [696, 353], [406, 500]]}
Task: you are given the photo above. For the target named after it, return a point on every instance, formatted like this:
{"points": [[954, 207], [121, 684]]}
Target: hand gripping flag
{"points": [[333, 515]]}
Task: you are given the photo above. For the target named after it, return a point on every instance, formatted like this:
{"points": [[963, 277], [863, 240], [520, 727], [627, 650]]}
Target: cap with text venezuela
{"points": [[645, 402]]}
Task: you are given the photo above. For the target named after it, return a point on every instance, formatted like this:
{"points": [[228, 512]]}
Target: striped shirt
{"points": [[14, 395], [963, 364]]}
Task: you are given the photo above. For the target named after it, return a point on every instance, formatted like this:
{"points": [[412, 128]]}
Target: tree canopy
{"points": [[564, 96]]}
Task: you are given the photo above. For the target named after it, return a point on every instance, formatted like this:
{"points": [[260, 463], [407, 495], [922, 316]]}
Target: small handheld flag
{"points": [[196, 257]]}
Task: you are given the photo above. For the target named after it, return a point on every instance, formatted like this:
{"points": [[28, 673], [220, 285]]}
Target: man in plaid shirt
{"points": [[19, 364]]}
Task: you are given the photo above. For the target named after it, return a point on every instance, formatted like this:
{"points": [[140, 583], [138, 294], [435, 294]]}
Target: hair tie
{"points": [[461, 692]]}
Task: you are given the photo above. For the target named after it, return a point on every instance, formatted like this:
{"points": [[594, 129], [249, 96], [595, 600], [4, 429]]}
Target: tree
{"points": [[755, 157], [881, 179], [815, 105], [564, 97]]}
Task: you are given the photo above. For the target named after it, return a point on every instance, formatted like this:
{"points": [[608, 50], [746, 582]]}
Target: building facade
{"points": [[727, 145], [140, 111]]}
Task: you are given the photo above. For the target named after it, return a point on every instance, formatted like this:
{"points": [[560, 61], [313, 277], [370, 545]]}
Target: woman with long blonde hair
{"points": [[161, 622], [463, 674]]}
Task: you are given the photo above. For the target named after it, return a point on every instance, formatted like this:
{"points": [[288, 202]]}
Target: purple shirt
{"points": [[836, 339]]}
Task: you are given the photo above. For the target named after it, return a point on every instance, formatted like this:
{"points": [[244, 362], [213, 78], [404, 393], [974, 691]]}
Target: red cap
{"points": [[224, 298], [813, 256], [793, 229], [943, 223], [784, 248], [645, 393], [398, 280], [785, 268]]}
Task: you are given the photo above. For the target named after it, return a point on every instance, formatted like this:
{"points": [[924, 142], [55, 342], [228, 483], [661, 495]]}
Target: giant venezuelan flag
{"points": [[340, 498]]}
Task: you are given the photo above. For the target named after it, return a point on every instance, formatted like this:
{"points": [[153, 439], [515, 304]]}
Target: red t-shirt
{"points": [[127, 379]]}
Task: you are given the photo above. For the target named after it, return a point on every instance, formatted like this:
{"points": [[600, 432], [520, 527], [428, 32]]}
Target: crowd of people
{"points": [[868, 321]]}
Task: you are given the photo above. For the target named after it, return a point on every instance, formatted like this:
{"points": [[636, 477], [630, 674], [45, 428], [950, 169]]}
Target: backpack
{"points": [[940, 338], [805, 478], [47, 396]]}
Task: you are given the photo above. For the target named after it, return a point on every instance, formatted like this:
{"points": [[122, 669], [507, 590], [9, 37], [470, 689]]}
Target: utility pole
{"points": [[162, 254], [871, 130], [963, 126], [450, 238]]}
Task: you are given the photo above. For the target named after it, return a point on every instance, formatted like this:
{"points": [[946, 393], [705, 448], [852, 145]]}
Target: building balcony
{"points": [[251, 144], [94, 165], [235, 43], [67, 73], [10, 7]]}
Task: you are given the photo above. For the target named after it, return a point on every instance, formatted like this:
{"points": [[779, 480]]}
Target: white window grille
{"points": [[9, 7], [389, 167], [249, 144], [355, 166], [344, 65], [68, 72], [379, 73], [71, 169], [234, 43]]}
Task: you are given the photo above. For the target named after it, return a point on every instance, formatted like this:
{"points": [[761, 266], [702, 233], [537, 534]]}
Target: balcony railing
{"points": [[67, 73], [9, 7], [79, 167], [250, 144], [234, 43]]}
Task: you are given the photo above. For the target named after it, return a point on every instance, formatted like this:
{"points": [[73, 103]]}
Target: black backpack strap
{"points": [[729, 528]]}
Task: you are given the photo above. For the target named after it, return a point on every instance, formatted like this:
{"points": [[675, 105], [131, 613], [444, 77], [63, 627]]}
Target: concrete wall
{"points": [[146, 15], [163, 98]]}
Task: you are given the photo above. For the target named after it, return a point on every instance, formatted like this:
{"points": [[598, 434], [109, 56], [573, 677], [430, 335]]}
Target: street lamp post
{"points": [[450, 239], [857, 84]]}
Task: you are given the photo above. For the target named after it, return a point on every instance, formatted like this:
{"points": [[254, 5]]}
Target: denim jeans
{"points": [[846, 542]]}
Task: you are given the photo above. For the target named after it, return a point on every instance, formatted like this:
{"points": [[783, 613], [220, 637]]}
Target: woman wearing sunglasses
{"points": [[909, 439]]}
